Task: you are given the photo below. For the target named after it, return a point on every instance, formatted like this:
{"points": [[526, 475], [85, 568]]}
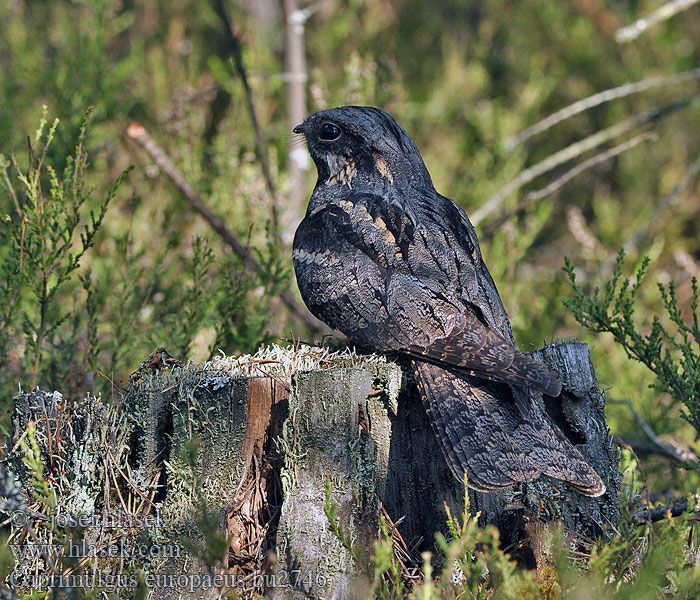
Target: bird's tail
{"points": [[525, 372], [492, 441]]}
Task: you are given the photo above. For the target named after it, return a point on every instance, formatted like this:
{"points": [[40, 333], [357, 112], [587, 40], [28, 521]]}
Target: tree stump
{"points": [[236, 458]]}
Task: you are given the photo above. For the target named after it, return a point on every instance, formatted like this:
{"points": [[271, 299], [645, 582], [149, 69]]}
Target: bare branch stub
{"points": [[651, 515]]}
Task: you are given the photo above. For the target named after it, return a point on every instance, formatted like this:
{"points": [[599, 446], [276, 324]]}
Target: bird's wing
{"points": [[428, 318], [415, 283], [468, 423], [492, 441]]}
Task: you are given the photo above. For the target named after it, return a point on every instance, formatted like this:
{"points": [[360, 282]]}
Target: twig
{"points": [[642, 448], [644, 229], [107, 462], [21, 437], [557, 184], [674, 450], [139, 134], [9, 507], [663, 13], [127, 479], [571, 152], [234, 45], [600, 98], [651, 515], [114, 384], [587, 164]]}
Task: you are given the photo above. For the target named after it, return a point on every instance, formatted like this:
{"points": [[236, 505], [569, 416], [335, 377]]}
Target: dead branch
{"points": [[663, 13], [573, 151], [641, 448], [138, 133], [600, 98], [672, 450], [234, 45], [650, 515], [560, 182], [643, 231], [296, 77]]}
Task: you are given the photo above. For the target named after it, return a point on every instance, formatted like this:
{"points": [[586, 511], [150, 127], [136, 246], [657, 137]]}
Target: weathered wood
{"points": [[337, 436], [419, 482], [252, 518], [234, 423], [580, 413], [272, 431], [71, 439]]}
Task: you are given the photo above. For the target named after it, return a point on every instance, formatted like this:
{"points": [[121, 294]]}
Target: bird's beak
{"points": [[299, 129]]}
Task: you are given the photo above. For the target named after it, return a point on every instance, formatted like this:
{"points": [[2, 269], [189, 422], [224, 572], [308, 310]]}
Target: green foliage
{"points": [[463, 77], [196, 300], [474, 565], [44, 244], [671, 352], [69, 308], [38, 480], [244, 301], [643, 562], [618, 558]]}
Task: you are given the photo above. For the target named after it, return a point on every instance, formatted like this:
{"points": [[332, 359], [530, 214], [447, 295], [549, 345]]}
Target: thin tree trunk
{"points": [[296, 83]]}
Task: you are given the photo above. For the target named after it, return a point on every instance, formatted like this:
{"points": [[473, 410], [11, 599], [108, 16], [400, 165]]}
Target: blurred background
{"points": [[201, 96]]}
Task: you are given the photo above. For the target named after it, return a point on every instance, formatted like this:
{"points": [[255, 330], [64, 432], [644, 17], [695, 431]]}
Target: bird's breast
{"points": [[339, 284]]}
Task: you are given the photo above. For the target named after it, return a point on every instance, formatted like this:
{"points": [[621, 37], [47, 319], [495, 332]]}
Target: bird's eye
{"points": [[329, 132]]}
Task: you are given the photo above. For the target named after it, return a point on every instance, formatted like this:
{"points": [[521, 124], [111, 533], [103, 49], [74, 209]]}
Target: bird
{"points": [[385, 259]]}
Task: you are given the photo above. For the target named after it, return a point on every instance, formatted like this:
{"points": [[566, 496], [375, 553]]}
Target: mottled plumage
{"points": [[384, 258]]}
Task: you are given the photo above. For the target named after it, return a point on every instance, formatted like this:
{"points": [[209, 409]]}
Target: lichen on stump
{"points": [[257, 440]]}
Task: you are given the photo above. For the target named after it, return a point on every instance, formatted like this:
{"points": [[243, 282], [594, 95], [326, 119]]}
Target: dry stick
{"points": [[674, 451], [663, 13], [651, 515], [643, 230], [571, 152], [139, 134], [21, 437], [127, 479], [536, 195], [116, 484], [600, 98], [641, 448], [234, 45]]}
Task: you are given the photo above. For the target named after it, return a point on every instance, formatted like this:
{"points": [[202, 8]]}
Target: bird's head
{"points": [[362, 142]]}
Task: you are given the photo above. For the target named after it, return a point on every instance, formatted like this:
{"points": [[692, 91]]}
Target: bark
{"points": [[243, 458]]}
